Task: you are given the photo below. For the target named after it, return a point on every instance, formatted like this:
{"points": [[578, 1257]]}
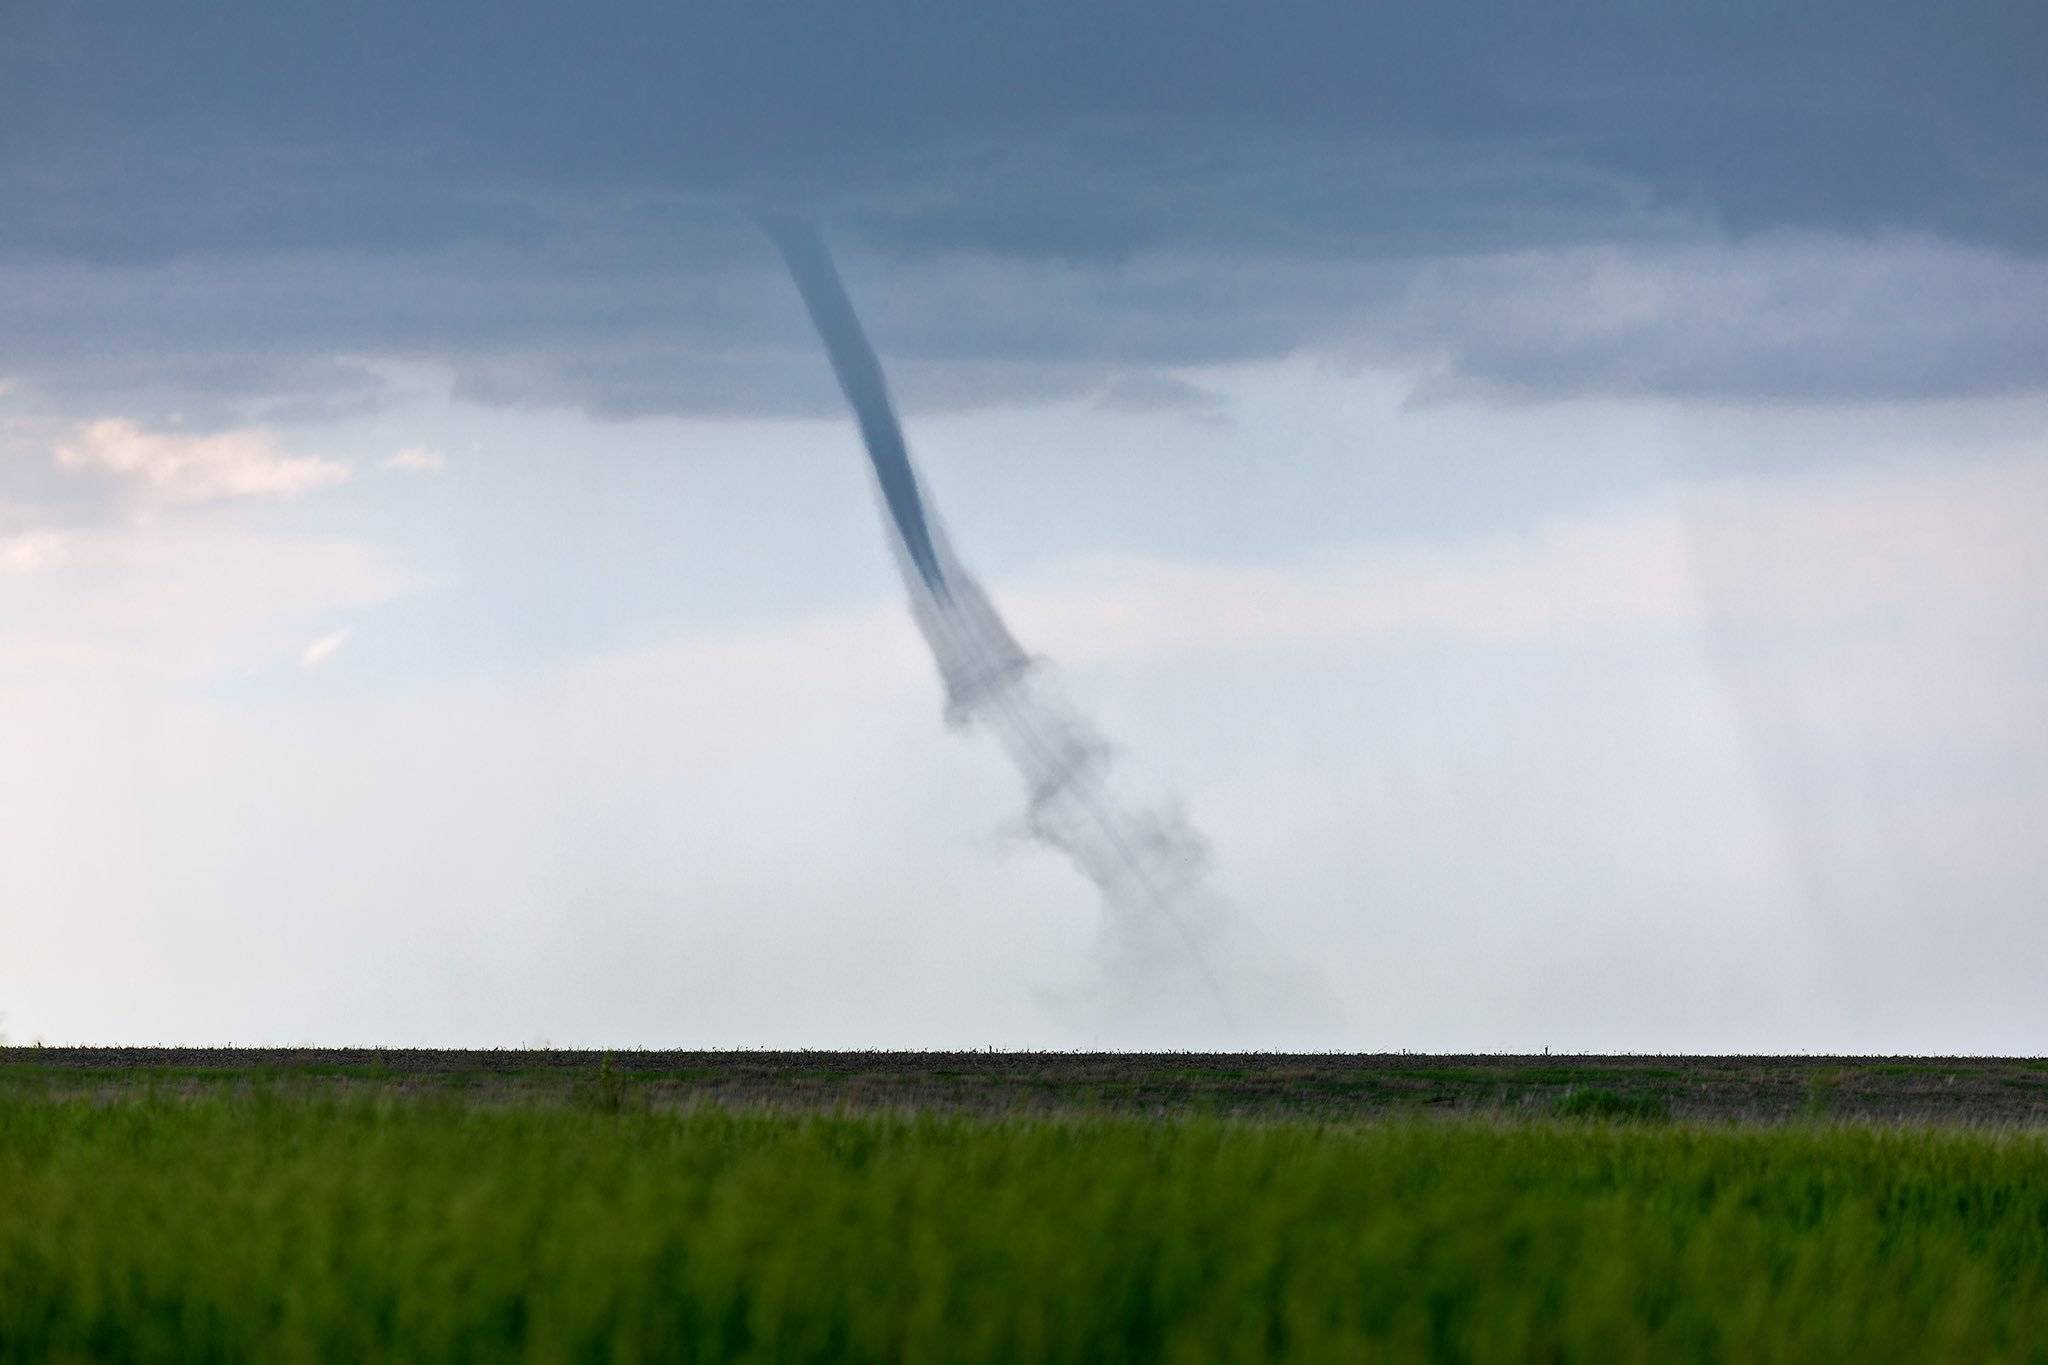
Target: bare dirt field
{"points": [[1967, 1090]]}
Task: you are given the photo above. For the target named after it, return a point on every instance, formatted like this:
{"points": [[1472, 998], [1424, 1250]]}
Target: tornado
{"points": [[1143, 857]]}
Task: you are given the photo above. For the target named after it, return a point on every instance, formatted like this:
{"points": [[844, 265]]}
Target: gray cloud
{"points": [[265, 125], [215, 342], [214, 216]]}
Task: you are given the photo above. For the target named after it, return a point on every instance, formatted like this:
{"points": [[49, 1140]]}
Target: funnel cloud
{"points": [[1144, 857]]}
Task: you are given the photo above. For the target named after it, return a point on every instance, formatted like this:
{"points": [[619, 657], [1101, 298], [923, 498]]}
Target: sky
{"points": [[1558, 496]]}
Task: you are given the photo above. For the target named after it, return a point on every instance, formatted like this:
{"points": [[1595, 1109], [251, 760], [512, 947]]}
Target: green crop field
{"points": [[265, 1222]]}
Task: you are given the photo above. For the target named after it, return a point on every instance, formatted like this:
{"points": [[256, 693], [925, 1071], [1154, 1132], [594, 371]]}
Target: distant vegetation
{"points": [[265, 1222], [1235, 1085]]}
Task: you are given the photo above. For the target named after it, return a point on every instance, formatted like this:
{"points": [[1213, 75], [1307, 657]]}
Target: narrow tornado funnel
{"points": [[1146, 861], [860, 379]]}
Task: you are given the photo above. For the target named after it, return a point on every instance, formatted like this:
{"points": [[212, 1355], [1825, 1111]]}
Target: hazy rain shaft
{"points": [[1159, 924]]}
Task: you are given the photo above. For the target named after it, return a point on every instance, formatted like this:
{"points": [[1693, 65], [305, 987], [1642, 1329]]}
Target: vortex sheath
{"points": [[860, 379], [973, 648]]}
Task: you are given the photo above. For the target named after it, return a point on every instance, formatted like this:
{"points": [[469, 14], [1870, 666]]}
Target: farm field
{"points": [[557, 1206], [1332, 1086]]}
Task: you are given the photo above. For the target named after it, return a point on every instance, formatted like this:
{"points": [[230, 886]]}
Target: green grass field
{"points": [[278, 1224]]}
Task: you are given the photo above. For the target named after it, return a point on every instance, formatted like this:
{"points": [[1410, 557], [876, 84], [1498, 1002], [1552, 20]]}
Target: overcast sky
{"points": [[1558, 493]]}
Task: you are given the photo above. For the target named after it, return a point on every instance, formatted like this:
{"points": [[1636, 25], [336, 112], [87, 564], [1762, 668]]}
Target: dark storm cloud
{"points": [[256, 124], [544, 195]]}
